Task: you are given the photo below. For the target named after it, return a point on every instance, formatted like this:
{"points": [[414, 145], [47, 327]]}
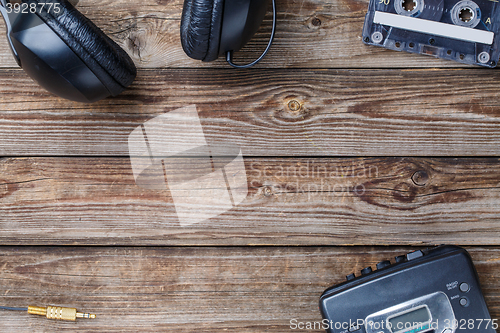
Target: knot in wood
{"points": [[294, 105], [268, 191], [420, 178]]}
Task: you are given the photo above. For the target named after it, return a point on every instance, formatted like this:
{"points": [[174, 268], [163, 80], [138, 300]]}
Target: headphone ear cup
{"points": [[201, 26], [108, 61]]}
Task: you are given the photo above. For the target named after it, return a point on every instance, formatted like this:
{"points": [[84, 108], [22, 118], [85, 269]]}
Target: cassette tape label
{"points": [[434, 28], [460, 30]]}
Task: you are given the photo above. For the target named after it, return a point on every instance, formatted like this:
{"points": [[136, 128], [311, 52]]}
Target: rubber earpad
{"points": [[109, 62], [201, 26]]}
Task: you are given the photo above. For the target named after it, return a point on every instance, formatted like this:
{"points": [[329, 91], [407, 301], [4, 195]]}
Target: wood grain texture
{"points": [[341, 112], [324, 201], [320, 94], [310, 34], [190, 289]]}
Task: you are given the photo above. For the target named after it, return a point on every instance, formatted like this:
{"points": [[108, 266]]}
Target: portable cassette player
{"points": [[435, 291]]}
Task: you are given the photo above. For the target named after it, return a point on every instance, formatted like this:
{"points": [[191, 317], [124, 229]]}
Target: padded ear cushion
{"points": [[201, 26], [109, 62]]}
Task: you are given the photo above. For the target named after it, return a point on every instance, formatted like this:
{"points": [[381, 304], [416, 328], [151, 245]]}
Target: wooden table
{"points": [[420, 137]]}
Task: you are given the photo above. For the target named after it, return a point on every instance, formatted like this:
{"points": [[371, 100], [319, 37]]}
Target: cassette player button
{"points": [[400, 258], [383, 264], [464, 287], [366, 270], [350, 277], [414, 255]]}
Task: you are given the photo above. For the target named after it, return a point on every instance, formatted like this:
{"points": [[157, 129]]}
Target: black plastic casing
{"points": [[439, 269], [240, 22], [48, 60]]}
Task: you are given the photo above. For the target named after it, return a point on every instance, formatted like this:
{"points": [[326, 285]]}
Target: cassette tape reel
{"points": [[462, 30]]}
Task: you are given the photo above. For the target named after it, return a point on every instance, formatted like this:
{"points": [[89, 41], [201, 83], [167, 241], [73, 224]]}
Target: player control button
{"points": [[464, 287], [414, 255], [366, 270], [464, 301], [400, 258], [383, 264], [350, 277]]}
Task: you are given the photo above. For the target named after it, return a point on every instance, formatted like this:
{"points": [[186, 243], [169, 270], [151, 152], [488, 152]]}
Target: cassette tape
{"points": [[462, 30]]}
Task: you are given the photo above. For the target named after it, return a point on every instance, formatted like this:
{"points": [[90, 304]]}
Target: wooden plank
{"points": [[338, 112], [324, 201], [190, 289], [310, 34]]}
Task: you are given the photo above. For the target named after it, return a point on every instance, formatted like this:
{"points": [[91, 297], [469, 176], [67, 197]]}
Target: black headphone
{"points": [[69, 56], [64, 51], [213, 28]]}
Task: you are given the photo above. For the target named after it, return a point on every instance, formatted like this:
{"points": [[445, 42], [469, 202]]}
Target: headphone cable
{"points": [[12, 309], [229, 54]]}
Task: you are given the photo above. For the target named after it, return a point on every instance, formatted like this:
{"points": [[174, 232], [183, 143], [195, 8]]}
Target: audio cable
{"points": [[229, 54], [52, 312]]}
